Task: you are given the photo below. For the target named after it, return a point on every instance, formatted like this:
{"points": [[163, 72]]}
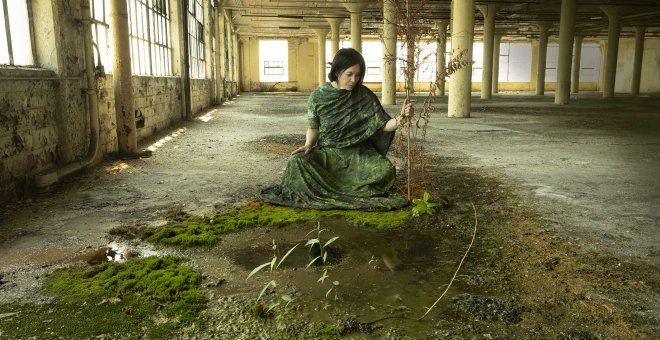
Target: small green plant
{"points": [[319, 252], [423, 206], [279, 305]]}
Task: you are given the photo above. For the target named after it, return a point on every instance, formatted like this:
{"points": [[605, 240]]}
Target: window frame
{"points": [[30, 22], [148, 47]]}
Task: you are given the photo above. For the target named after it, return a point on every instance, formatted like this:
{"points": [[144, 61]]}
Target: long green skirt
{"points": [[356, 177]]}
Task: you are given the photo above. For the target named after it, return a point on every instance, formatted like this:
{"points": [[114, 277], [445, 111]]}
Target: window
{"points": [[372, 51], [427, 62], [515, 62], [589, 63], [328, 52], [551, 63], [101, 33], [478, 57], [16, 46], [273, 60], [149, 30], [196, 38]]}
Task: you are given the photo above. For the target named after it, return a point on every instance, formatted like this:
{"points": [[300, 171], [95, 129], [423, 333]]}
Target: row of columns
{"points": [[462, 21]]}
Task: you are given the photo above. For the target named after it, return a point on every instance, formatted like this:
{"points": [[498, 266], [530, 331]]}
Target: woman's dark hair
{"points": [[345, 58]]}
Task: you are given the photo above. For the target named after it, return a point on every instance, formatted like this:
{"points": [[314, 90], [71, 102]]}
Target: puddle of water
{"points": [[380, 272], [116, 252]]}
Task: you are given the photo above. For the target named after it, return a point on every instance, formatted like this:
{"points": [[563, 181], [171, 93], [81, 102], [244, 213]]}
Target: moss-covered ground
{"points": [[206, 230], [149, 297]]}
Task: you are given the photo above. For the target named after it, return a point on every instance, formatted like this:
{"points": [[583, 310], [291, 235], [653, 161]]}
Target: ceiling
{"points": [[515, 19]]}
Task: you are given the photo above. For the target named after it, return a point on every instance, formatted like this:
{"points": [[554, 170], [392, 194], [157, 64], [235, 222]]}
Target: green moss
{"points": [[204, 231], [115, 299]]}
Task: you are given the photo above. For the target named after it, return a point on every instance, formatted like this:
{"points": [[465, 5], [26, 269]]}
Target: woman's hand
{"points": [[306, 149], [407, 110]]}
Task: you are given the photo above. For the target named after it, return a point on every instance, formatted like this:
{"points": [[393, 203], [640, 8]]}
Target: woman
{"points": [[342, 164]]}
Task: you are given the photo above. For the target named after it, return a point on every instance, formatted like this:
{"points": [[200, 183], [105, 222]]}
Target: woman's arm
{"points": [[310, 141], [407, 112]]}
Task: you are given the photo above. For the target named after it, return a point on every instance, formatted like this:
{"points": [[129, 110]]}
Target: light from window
{"points": [[15, 40], [196, 39], [149, 30], [101, 33], [273, 60]]}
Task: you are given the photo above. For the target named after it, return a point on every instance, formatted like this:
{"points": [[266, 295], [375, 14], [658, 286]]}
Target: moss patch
{"points": [[153, 296], [205, 231]]}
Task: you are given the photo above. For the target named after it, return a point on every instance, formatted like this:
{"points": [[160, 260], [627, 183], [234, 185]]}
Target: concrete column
{"points": [[489, 12], [208, 46], [544, 26], [321, 33], [220, 53], [577, 54], [496, 63], [356, 9], [462, 37], [237, 64], [566, 26], [614, 14], [230, 58], [637, 65], [389, 52], [441, 59], [335, 23], [123, 87]]}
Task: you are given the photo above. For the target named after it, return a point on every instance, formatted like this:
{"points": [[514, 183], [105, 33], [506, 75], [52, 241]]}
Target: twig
{"points": [[474, 234]]}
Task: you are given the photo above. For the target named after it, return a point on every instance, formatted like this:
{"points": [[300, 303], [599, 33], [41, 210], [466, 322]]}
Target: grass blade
{"points": [[330, 241], [272, 282], [287, 254], [255, 270]]}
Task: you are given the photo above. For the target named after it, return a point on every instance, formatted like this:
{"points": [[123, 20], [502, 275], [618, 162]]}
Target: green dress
{"points": [[347, 169]]}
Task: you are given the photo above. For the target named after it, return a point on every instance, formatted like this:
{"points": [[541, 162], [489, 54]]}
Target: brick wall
{"points": [[201, 94], [28, 133]]}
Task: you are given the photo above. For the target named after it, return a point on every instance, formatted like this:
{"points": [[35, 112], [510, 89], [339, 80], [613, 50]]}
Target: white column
{"points": [[462, 37], [122, 81], [208, 47], [496, 63], [335, 23], [356, 9], [389, 52], [220, 52], [441, 59], [544, 26], [489, 12], [577, 54], [614, 14], [321, 33], [637, 65], [566, 26]]}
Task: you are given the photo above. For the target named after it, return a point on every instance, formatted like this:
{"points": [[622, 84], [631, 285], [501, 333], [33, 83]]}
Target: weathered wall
{"points": [[200, 94], [650, 80], [303, 63], [28, 131]]}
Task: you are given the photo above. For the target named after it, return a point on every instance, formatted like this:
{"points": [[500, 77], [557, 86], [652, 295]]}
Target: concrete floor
{"points": [[590, 168]]}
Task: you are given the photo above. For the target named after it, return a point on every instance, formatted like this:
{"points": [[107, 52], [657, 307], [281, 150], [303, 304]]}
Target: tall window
{"points": [[590, 63], [101, 33], [273, 60], [551, 63], [196, 38], [149, 30], [515, 62], [15, 39]]}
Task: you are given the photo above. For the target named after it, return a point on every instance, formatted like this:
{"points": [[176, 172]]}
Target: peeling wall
{"points": [[200, 94], [43, 110], [650, 80], [28, 133]]}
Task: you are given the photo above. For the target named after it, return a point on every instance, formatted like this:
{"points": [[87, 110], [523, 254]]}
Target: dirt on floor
{"points": [[521, 278]]}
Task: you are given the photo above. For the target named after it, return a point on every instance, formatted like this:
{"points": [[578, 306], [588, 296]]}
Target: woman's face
{"points": [[348, 78]]}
